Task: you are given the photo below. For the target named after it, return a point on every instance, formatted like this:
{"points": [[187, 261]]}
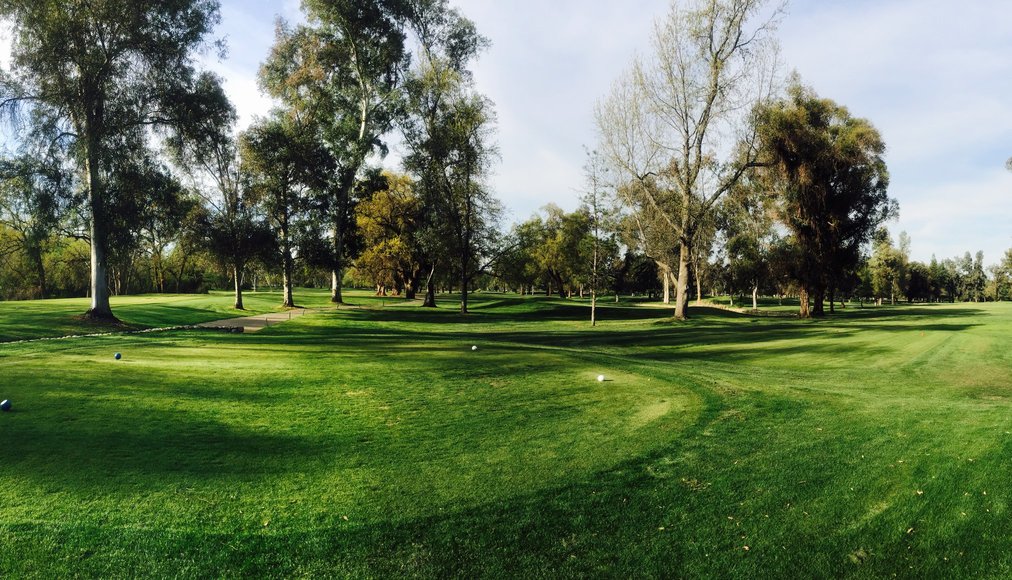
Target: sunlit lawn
{"points": [[374, 442], [45, 318]]}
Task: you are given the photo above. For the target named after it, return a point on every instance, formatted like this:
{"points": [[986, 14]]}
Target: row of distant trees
{"points": [[554, 256], [128, 163]]}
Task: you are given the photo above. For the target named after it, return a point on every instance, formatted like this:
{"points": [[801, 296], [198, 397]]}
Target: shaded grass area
{"points": [[374, 442]]}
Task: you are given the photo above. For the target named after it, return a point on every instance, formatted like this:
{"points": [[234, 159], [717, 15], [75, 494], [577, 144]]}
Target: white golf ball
{"points": [[600, 378], [475, 347]]}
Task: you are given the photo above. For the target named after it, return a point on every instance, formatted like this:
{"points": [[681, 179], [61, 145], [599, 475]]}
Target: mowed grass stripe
{"points": [[372, 443]]}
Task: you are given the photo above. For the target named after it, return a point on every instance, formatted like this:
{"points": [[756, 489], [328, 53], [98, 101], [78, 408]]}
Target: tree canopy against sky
{"points": [[94, 71], [831, 182], [345, 67], [678, 123], [448, 134]]}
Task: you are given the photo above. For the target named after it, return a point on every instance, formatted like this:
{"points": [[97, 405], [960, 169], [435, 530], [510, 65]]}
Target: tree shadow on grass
{"points": [[906, 312], [728, 336], [147, 450]]}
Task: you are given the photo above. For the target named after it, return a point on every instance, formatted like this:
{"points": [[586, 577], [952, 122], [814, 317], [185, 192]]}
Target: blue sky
{"points": [[934, 76]]}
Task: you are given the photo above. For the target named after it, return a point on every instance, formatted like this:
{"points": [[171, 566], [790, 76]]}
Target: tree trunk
{"points": [[159, 272], [343, 194], [681, 287], [100, 308], [430, 289], [288, 267], [832, 300], [805, 311], [335, 287], [411, 286], [237, 275], [178, 274], [557, 278], [755, 297], [699, 290], [40, 272], [818, 297], [666, 283]]}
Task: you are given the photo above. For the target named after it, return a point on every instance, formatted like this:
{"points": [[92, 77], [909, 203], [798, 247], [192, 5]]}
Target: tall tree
{"points": [[602, 223], [99, 69], [679, 123], [561, 247], [346, 65], [1002, 277], [143, 201], [831, 179], [285, 160], [448, 134], [645, 230], [231, 230], [973, 277]]}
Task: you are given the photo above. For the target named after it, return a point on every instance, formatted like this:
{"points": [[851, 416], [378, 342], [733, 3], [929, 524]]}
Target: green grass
{"points": [[373, 442], [20, 320]]}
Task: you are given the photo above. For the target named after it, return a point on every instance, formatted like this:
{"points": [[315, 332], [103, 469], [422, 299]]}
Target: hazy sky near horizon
{"points": [[934, 76]]}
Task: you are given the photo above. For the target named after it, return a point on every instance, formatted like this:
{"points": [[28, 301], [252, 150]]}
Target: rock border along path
{"points": [[240, 324]]}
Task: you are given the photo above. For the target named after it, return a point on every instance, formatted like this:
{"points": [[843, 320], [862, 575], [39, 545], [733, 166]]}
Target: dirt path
{"points": [[258, 322]]}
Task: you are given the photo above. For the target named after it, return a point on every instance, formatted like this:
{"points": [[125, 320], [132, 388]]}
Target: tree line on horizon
{"points": [[713, 174]]}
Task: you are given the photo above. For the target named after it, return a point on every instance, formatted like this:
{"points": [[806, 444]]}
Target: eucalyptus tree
{"points": [[286, 163], [643, 228], [232, 230], [831, 181], [448, 133], [344, 67], [145, 206], [564, 251], [97, 69], [974, 278], [679, 122]]}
